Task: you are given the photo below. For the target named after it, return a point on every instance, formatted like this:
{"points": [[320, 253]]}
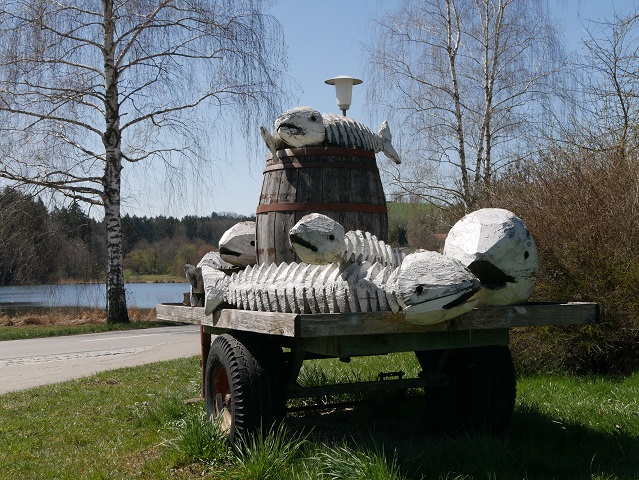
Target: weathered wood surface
{"points": [[343, 184], [381, 323]]}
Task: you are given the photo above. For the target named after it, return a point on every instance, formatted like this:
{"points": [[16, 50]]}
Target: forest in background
{"points": [[63, 243]]}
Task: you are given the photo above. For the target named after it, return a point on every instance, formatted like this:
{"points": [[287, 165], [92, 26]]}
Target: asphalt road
{"points": [[40, 361]]}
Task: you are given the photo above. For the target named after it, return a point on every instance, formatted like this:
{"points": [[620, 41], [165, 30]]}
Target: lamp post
{"points": [[343, 90]]}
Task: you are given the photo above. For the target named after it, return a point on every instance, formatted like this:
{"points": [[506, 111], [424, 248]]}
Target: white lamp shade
{"points": [[343, 90]]}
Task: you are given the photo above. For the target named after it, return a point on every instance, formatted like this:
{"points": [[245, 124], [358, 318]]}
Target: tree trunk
{"points": [[112, 140], [116, 310], [452, 46]]}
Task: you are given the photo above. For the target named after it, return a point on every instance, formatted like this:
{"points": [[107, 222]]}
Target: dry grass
{"points": [[582, 209], [69, 317], [69, 321]]}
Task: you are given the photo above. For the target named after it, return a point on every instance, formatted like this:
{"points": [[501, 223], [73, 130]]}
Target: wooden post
{"points": [[205, 341]]}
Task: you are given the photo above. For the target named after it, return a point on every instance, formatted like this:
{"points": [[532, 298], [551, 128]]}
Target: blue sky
{"points": [[324, 40]]}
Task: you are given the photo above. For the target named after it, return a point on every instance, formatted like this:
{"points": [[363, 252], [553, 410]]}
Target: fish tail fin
{"points": [[387, 146], [268, 139]]}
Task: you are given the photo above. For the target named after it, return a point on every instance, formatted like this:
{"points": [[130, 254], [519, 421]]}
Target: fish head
{"points": [[317, 239], [427, 276], [498, 248], [237, 245], [300, 127]]}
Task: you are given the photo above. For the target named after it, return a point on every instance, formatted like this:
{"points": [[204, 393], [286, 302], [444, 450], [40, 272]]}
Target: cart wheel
{"points": [[274, 392], [481, 390], [239, 388]]}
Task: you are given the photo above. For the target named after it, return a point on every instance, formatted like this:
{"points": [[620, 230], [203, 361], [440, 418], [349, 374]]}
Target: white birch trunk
{"points": [[116, 310]]}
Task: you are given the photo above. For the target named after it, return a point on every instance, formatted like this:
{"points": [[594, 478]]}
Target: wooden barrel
{"points": [[341, 183]]}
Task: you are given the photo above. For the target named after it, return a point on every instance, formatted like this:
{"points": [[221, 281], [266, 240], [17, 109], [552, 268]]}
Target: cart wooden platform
{"points": [[251, 368]]}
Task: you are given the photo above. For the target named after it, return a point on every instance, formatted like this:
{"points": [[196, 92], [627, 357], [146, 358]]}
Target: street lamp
{"points": [[343, 90]]}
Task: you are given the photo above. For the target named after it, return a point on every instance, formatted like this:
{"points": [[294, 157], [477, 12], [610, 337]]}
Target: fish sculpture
{"points": [[498, 248], [427, 288], [237, 245], [306, 127], [319, 239], [236, 251]]}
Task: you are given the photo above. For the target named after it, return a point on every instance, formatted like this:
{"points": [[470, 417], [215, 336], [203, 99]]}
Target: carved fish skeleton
{"points": [[306, 127], [319, 239], [426, 288]]}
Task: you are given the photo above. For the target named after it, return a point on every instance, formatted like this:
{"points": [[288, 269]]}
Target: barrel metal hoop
{"points": [[341, 151], [319, 206], [296, 164]]}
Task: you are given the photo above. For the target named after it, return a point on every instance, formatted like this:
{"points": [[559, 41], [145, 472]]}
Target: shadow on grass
{"points": [[534, 446]]}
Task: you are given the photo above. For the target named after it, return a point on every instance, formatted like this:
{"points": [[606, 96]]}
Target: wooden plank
{"points": [[529, 315], [477, 319], [181, 314], [361, 345], [381, 323], [270, 323]]}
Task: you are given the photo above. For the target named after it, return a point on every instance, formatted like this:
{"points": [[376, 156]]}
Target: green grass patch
{"points": [[111, 425], [404, 211], [41, 331], [134, 423]]}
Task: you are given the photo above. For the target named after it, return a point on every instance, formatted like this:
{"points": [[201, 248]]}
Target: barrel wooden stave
{"points": [[343, 180]]}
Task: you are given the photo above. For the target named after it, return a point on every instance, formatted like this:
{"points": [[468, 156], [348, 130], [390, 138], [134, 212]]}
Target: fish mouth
{"points": [[294, 238], [489, 275], [228, 251], [290, 126], [440, 309], [462, 298]]}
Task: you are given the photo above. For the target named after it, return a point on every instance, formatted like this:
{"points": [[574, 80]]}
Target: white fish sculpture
{"points": [[498, 248], [236, 251], [427, 288], [237, 245], [306, 127], [319, 240]]}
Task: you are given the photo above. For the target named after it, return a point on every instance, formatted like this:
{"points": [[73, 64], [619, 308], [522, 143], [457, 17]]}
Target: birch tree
{"points": [[466, 78], [608, 110], [89, 87]]}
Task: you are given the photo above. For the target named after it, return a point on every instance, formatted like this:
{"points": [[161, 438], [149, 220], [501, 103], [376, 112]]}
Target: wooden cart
{"points": [[251, 368]]}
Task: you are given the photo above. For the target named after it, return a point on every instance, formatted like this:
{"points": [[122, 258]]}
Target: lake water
{"points": [[138, 295]]}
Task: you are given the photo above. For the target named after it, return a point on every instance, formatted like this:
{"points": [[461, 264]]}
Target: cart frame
{"points": [[479, 337]]}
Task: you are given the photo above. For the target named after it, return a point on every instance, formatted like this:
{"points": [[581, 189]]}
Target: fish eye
{"points": [[331, 237], [252, 243], [313, 118], [526, 255], [419, 290]]}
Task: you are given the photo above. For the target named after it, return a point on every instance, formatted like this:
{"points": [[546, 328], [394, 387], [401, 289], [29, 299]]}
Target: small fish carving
{"points": [[319, 239], [306, 127]]}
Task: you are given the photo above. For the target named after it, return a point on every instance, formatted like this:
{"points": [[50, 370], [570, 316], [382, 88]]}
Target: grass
{"points": [[400, 211], [134, 423], [131, 276], [31, 331], [70, 321]]}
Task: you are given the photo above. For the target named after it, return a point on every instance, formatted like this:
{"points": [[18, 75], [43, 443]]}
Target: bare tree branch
{"points": [[84, 92], [465, 76]]}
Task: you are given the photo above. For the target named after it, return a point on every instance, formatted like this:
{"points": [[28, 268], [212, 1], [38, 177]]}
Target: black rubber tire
{"points": [[481, 391], [239, 385]]}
